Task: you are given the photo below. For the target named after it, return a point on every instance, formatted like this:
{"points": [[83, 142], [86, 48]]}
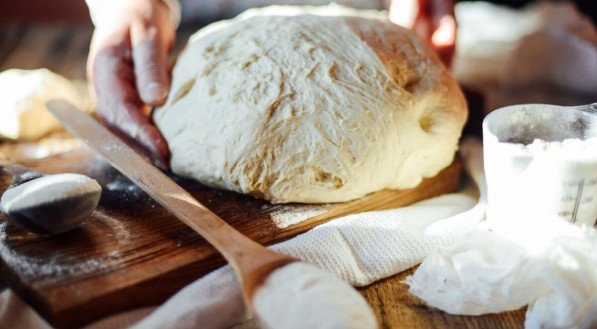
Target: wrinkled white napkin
{"points": [[507, 263], [359, 249]]}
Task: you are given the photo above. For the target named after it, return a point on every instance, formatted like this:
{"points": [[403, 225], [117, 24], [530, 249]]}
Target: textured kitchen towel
{"points": [[359, 249], [503, 265]]}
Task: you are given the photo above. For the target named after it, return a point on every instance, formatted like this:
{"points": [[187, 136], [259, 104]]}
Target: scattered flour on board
{"points": [[123, 185], [288, 216], [60, 264]]}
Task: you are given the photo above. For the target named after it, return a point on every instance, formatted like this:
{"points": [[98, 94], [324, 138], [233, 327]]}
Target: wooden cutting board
{"points": [[133, 253]]}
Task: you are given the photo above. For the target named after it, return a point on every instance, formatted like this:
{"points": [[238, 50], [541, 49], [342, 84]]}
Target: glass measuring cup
{"points": [[541, 160]]}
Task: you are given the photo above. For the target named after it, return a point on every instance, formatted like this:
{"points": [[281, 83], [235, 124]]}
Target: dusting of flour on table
{"points": [[57, 263], [300, 295], [288, 216], [50, 268]]}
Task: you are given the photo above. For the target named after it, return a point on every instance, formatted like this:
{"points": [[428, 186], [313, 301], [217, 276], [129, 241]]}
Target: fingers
{"points": [[119, 105], [404, 12], [432, 20], [443, 28], [151, 40], [443, 39], [150, 64], [127, 68]]}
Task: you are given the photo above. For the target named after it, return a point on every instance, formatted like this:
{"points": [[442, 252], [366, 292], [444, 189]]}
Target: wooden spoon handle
{"points": [[247, 257]]}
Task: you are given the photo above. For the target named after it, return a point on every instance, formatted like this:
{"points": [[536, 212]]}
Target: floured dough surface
{"points": [[304, 106], [23, 94], [300, 295]]}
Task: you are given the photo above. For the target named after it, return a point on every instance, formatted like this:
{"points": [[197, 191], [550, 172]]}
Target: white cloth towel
{"points": [[359, 249], [545, 263]]}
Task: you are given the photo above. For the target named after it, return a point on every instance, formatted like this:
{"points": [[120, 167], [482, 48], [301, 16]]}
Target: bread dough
{"points": [[300, 295], [23, 94], [298, 107]]}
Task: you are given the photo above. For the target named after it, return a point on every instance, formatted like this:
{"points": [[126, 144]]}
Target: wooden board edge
{"points": [[446, 181]]}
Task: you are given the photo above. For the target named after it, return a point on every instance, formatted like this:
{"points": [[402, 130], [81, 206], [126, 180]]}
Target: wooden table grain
{"points": [[63, 49], [395, 308]]}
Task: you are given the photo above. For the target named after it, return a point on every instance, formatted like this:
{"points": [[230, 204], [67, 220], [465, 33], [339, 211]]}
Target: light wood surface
{"points": [[395, 308], [63, 49]]}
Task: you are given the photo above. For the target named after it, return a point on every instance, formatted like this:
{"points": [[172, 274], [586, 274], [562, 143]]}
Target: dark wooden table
{"points": [[63, 49]]}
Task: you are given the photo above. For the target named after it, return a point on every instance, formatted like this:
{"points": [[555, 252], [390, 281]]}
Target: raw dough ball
{"points": [[22, 97], [301, 295], [310, 107]]}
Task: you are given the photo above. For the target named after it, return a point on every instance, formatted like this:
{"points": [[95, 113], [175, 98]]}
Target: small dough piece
{"points": [[300, 295], [303, 104], [22, 97]]}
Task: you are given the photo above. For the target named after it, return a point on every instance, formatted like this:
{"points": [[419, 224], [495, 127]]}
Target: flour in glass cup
{"points": [[543, 178], [572, 147]]}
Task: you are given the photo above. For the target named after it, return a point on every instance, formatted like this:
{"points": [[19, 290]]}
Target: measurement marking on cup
{"points": [[581, 184]]}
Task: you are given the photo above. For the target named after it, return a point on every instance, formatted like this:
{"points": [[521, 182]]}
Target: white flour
{"points": [[288, 216], [569, 147], [123, 185], [300, 295], [550, 178], [59, 263], [51, 267]]}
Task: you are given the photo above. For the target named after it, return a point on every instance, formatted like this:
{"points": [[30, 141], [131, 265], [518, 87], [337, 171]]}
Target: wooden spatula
{"points": [[250, 260]]}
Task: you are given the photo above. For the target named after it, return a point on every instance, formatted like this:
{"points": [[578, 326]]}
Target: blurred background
{"points": [[509, 51], [75, 11]]}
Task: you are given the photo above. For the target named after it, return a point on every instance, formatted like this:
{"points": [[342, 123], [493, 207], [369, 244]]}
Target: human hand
{"points": [[127, 68], [431, 20]]}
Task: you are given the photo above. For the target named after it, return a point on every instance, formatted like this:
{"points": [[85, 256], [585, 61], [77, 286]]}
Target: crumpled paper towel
{"points": [[545, 263]]}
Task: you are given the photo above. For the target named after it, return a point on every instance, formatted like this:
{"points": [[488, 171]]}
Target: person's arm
{"points": [[432, 20], [128, 67]]}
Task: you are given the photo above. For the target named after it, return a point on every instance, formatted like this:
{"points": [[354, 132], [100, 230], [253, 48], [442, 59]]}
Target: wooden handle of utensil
{"points": [[243, 253]]}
